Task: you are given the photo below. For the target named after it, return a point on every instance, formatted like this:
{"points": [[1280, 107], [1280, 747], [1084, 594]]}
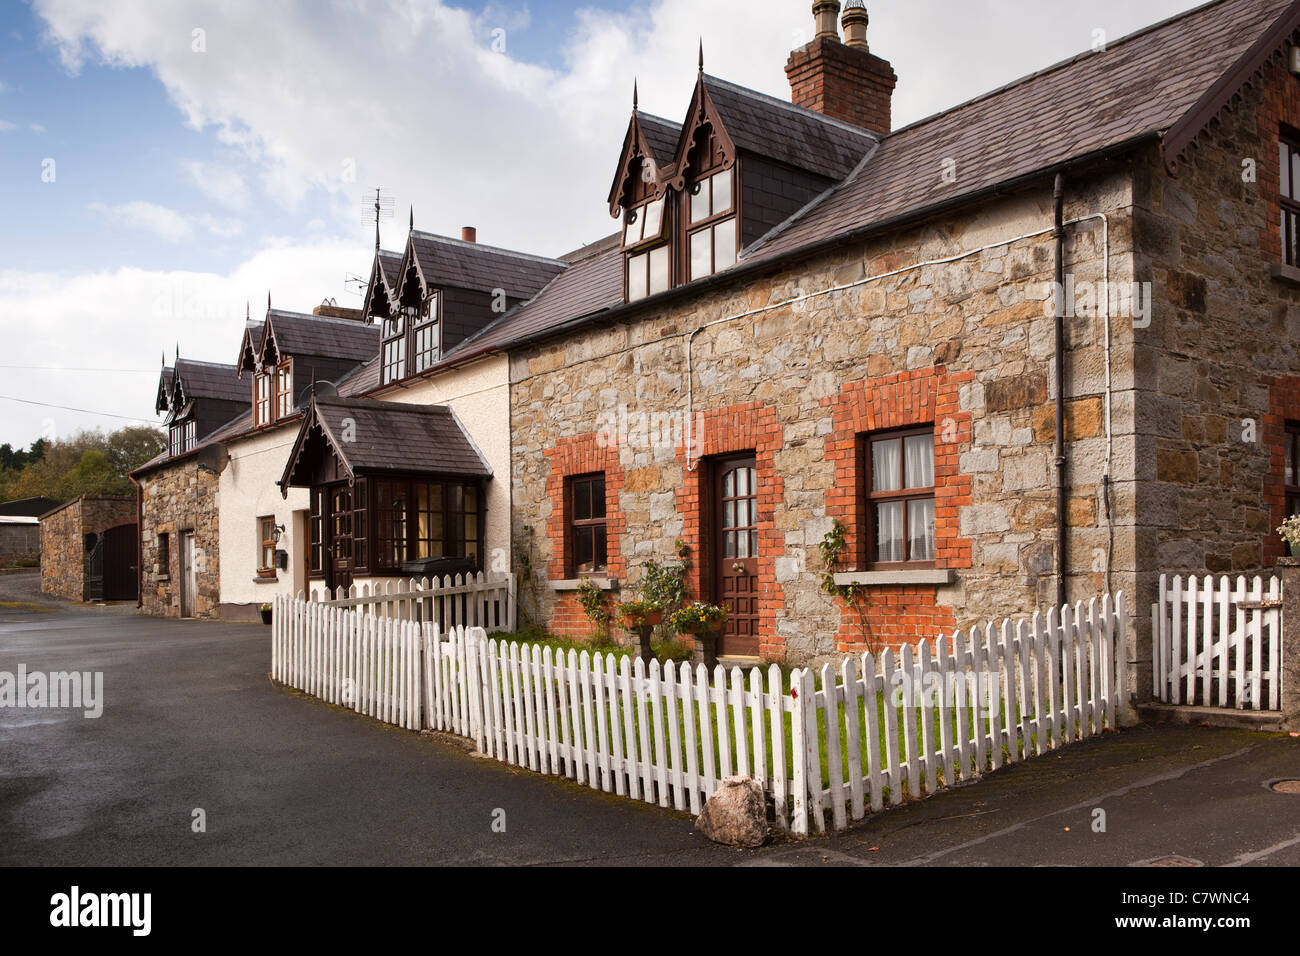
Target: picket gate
{"points": [[1217, 643]]}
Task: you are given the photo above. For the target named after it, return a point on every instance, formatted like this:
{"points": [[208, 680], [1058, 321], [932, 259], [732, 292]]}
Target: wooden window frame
{"points": [[430, 318], [396, 342], [711, 222], [455, 532], [164, 561], [573, 522], [867, 500], [266, 538], [1289, 141], [283, 390], [263, 398]]}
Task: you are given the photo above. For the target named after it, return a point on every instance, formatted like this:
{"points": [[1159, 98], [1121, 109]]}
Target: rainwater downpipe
{"points": [[1062, 528]]}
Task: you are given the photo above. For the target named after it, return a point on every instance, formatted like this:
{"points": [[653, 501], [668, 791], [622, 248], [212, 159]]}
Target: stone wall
{"points": [[1219, 366], [177, 499], [966, 346], [65, 559], [19, 542]]}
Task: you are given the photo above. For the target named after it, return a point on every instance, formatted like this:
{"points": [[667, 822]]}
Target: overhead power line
{"points": [[69, 408]]}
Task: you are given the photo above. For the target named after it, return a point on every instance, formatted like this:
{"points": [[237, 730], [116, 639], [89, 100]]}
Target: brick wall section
{"points": [[842, 82], [65, 562], [898, 614], [725, 431], [582, 455], [176, 499]]}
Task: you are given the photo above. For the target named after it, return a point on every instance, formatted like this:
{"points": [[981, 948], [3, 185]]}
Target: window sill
{"points": [[605, 584], [936, 576], [162, 577], [1287, 275], [262, 579]]}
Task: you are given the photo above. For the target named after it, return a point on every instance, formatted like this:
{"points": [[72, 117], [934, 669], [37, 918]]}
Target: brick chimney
{"points": [[843, 80], [468, 234]]}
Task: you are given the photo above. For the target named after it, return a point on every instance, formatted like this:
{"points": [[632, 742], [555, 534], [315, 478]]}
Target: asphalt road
{"points": [[191, 721]]}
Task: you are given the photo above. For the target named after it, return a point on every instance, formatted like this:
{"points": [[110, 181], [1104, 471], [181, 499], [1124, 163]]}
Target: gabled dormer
{"points": [[444, 291], [200, 398], [295, 350], [741, 164], [640, 198]]}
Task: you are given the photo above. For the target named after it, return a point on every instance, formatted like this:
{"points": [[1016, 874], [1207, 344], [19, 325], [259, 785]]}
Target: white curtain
{"points": [[889, 531], [884, 465], [919, 466], [920, 529]]}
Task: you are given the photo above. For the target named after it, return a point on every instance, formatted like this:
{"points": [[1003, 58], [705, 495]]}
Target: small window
{"points": [[711, 196], [284, 389], [262, 405], [713, 249], [647, 273], [644, 223], [588, 523], [428, 344], [266, 547], [394, 368], [899, 484], [1291, 477], [1289, 199], [164, 554]]}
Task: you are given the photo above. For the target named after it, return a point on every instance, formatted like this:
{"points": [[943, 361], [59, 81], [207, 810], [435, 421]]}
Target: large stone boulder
{"points": [[736, 814]]}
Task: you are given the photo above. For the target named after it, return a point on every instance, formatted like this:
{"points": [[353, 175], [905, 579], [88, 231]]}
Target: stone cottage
{"points": [[1031, 349]]}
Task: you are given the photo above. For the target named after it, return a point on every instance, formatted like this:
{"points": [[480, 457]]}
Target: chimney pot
{"points": [[855, 21], [825, 13], [469, 234]]}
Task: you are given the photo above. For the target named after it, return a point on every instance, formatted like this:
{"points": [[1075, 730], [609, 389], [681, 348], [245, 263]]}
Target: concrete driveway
{"points": [[191, 722]]}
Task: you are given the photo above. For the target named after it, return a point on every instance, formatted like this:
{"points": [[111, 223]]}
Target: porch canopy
{"points": [[343, 439]]}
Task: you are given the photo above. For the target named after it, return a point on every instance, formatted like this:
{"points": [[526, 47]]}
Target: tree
{"points": [[89, 462]]}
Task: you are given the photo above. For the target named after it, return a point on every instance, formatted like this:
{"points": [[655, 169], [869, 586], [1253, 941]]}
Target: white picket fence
{"points": [[471, 600], [873, 731], [1218, 643], [344, 656]]}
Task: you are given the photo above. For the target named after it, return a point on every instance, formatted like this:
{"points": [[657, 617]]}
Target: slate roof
{"points": [[1141, 85], [28, 507], [391, 263], [777, 129], [393, 437], [321, 336], [661, 136], [444, 261], [210, 380]]}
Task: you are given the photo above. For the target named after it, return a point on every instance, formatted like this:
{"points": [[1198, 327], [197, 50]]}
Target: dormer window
{"points": [[284, 389], [394, 367], [181, 437], [428, 337], [711, 234], [649, 268], [262, 404]]}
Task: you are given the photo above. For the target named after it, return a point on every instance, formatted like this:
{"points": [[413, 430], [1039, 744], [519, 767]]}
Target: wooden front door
{"points": [[338, 556], [734, 557], [189, 576]]}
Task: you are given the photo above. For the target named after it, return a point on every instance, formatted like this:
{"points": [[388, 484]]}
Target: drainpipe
{"points": [[1061, 524], [139, 544]]}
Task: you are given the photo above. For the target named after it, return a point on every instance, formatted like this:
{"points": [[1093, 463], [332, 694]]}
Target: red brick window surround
{"points": [[1279, 121], [897, 498], [903, 403], [583, 457]]}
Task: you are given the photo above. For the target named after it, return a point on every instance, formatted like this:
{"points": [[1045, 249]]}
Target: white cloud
{"points": [[165, 223], [5, 126], [36, 127], [219, 183], [123, 318]]}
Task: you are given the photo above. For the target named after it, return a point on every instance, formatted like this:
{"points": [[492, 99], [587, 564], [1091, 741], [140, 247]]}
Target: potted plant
{"points": [[702, 621], [266, 613], [1290, 532], [640, 618]]}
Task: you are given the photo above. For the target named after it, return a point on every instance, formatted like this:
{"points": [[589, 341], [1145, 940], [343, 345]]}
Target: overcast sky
{"points": [[163, 164]]}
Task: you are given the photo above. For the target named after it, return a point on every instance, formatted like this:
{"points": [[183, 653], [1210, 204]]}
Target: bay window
{"points": [[898, 470]]}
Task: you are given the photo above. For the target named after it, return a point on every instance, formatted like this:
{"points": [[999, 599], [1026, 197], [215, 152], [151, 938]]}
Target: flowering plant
{"points": [[1290, 532], [699, 618], [634, 614]]}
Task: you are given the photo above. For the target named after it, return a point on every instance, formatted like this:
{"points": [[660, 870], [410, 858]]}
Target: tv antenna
{"points": [[377, 209]]}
